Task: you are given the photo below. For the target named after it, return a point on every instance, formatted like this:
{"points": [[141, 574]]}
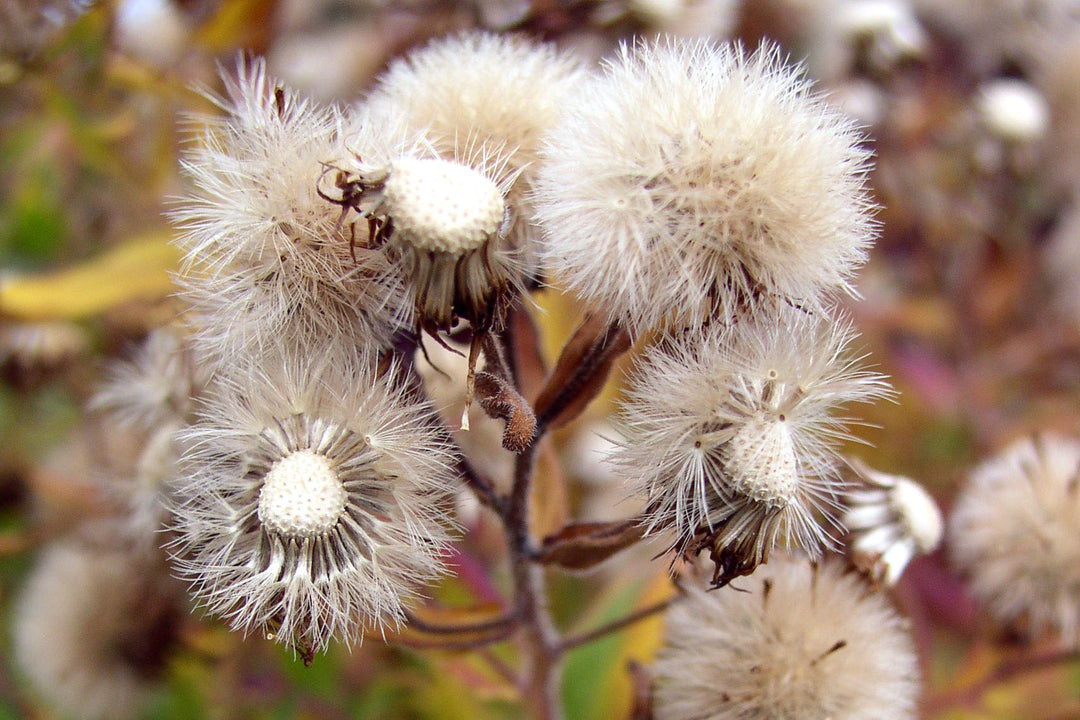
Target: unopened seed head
{"points": [[920, 514], [302, 496], [441, 205]]}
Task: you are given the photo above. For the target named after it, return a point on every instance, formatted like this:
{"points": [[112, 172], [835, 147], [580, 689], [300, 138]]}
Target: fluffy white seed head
{"points": [[891, 519], [150, 396], [800, 641], [480, 94], [311, 501], [444, 221], [1015, 529], [157, 386], [441, 205], [263, 251], [688, 178], [473, 101], [730, 434], [94, 625]]}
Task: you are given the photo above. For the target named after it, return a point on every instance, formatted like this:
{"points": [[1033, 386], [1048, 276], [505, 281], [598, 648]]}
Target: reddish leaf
{"points": [[581, 546]]}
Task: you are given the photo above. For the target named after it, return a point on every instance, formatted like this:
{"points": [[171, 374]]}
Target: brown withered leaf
{"points": [[580, 546], [434, 625], [581, 371]]}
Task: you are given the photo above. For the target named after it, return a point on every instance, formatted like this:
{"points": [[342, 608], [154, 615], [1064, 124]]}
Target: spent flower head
{"points": [[311, 501], [730, 435], [442, 155], [1016, 530], [690, 178], [802, 642]]}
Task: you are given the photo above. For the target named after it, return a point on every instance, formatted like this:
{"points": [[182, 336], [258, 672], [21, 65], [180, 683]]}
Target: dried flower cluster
{"points": [[697, 197], [356, 395]]}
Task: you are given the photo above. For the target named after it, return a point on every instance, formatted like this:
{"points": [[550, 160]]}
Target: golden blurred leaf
{"points": [[137, 270]]}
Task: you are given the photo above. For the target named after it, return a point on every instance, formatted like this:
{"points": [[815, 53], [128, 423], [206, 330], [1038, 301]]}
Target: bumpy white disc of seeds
{"points": [[442, 206], [301, 496]]}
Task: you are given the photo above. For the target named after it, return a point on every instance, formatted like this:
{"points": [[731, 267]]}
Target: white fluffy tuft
{"points": [[689, 178]]}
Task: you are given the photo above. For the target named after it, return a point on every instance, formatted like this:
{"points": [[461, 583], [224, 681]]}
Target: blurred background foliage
{"points": [[969, 304]]}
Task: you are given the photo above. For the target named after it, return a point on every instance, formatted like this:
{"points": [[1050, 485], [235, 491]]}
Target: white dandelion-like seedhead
{"points": [[730, 435], [890, 519], [442, 224], [94, 625], [311, 503], [441, 157], [689, 179], [482, 93], [265, 256], [1015, 529], [801, 642]]}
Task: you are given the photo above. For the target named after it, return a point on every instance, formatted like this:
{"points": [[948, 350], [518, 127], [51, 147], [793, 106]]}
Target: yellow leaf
{"points": [[137, 270]]}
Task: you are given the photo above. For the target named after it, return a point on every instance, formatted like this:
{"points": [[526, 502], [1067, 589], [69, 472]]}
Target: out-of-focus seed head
{"points": [[689, 179], [95, 624], [799, 641], [1015, 529]]}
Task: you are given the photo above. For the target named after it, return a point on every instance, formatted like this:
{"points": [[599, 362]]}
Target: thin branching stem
{"points": [[569, 643], [1026, 663]]}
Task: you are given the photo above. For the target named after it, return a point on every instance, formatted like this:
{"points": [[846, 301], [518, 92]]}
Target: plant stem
{"points": [[540, 640], [966, 697]]}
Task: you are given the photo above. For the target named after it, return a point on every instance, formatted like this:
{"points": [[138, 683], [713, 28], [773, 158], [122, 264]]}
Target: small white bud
{"points": [[1013, 110], [891, 522]]}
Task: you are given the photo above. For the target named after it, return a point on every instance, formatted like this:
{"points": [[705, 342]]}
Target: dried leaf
{"points": [[452, 627], [580, 372], [581, 546], [528, 353]]}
